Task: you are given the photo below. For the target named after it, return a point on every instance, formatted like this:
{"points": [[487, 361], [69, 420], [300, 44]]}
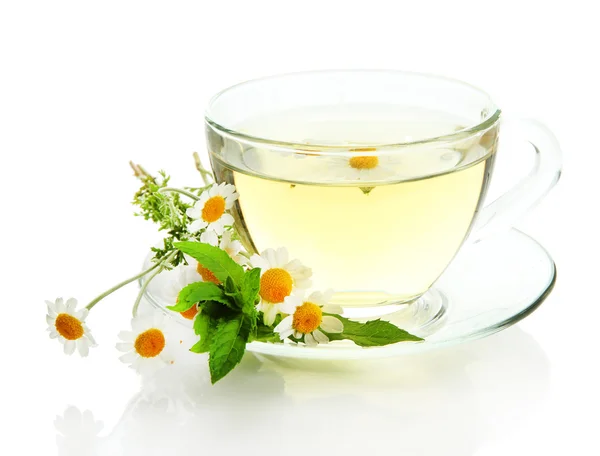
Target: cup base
{"points": [[421, 315]]}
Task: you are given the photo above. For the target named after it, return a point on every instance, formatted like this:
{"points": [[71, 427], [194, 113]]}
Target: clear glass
{"points": [[374, 179], [489, 286]]}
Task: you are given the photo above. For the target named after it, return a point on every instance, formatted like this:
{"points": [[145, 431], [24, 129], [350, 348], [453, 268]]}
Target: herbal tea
{"points": [[376, 224]]}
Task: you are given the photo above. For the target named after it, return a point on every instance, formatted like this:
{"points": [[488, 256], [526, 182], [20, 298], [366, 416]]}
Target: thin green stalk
{"points": [[161, 265], [178, 190], [100, 297]]}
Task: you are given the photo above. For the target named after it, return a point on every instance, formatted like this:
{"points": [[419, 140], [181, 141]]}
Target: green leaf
{"points": [[216, 309], [373, 333], [229, 287], [265, 333], [214, 259], [228, 346], [250, 288], [198, 292], [205, 327]]}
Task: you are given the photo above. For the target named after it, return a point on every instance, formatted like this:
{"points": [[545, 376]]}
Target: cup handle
{"points": [[501, 214]]}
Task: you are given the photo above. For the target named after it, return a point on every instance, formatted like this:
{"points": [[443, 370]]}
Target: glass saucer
{"points": [[490, 285]]}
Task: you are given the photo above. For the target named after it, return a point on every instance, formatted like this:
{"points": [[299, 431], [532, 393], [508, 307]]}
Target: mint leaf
{"points": [[265, 333], [373, 333], [229, 287], [197, 292], [228, 346], [250, 288], [202, 324], [216, 309], [205, 327], [214, 259]]}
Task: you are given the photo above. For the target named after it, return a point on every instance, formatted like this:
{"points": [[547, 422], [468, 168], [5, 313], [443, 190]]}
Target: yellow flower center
{"points": [[68, 326], [150, 343], [307, 318], [207, 274], [275, 285], [213, 209], [191, 313], [367, 162]]}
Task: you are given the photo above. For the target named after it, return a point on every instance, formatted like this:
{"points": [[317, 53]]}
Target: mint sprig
{"points": [[227, 318], [226, 312]]}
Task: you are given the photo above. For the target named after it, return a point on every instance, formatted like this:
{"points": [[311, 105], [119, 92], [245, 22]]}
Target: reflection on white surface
{"points": [[447, 402]]}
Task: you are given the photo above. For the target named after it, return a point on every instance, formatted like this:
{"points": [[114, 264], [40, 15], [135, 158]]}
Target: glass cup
{"points": [[374, 179]]}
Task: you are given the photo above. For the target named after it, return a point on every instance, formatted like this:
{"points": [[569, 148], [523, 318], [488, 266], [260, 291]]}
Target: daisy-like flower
{"points": [[148, 346], [366, 168], [68, 326], [209, 211], [231, 246], [281, 281], [308, 320]]}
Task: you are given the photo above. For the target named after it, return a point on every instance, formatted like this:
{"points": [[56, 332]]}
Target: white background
{"points": [[87, 86]]}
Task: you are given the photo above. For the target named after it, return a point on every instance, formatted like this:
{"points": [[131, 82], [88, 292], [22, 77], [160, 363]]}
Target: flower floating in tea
{"points": [[233, 298]]}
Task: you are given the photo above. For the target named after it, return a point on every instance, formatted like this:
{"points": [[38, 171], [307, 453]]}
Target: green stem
{"points": [[161, 265], [178, 190], [100, 297]]}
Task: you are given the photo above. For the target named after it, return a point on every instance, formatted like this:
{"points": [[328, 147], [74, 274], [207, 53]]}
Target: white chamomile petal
{"points": [[209, 237], [285, 324], [333, 309], [197, 225], [129, 357], [69, 347], [124, 346], [310, 340], [281, 256], [289, 305], [320, 337], [71, 304], [83, 347], [285, 334], [271, 257], [194, 211], [258, 261], [59, 305], [331, 324], [270, 313]]}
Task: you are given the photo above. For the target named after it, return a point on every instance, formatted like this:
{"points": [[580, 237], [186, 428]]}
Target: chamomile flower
{"points": [[281, 281], [149, 345], [308, 320], [209, 211], [231, 246], [366, 168], [68, 326]]}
